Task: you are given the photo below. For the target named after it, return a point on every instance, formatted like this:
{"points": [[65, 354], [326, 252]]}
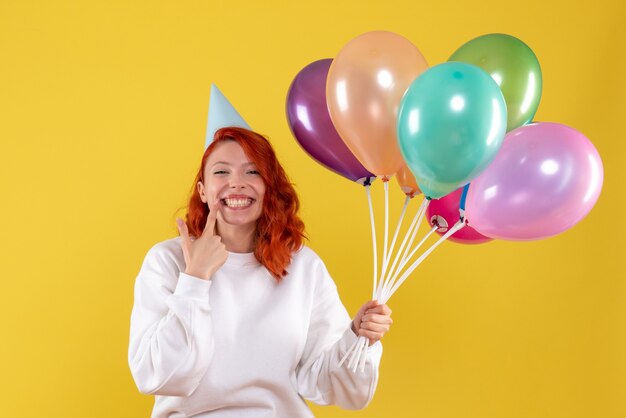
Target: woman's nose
{"points": [[236, 182]]}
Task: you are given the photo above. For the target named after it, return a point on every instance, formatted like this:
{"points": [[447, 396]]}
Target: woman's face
{"points": [[232, 179]]}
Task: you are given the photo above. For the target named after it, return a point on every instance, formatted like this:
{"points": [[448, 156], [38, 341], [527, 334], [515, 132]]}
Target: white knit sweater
{"points": [[242, 344]]}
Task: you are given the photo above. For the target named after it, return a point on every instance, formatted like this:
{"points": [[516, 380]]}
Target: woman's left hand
{"points": [[372, 321]]}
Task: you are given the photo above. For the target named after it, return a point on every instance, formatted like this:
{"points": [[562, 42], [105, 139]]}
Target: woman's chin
{"points": [[235, 220]]}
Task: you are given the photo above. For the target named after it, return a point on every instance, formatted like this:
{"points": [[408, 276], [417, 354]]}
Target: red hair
{"points": [[279, 230]]}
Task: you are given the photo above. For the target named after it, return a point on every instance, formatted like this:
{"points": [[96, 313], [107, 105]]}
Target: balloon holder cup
{"points": [[366, 181], [409, 191], [440, 222]]}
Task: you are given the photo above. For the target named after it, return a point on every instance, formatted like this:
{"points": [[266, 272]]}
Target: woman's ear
{"points": [[200, 187]]}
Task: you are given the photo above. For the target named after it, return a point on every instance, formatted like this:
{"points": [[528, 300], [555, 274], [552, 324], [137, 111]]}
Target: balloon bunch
{"points": [[377, 110]]}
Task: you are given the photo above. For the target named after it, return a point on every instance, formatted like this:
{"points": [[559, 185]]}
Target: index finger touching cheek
{"points": [[209, 228], [182, 228]]}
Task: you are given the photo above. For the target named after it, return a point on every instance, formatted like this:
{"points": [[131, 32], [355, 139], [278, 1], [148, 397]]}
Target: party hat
{"points": [[221, 114]]}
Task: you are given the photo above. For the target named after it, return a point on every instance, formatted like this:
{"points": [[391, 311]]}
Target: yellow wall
{"points": [[102, 118]]}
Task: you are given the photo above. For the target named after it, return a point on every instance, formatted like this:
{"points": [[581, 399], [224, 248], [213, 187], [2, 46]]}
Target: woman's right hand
{"points": [[206, 254]]}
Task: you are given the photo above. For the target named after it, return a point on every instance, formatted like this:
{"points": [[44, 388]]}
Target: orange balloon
{"points": [[365, 85], [407, 181]]}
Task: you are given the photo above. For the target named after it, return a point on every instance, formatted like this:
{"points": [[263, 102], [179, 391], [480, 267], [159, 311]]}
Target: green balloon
{"points": [[451, 124], [514, 66]]}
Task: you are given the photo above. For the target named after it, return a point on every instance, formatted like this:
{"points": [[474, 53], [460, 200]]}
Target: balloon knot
{"points": [[367, 181]]}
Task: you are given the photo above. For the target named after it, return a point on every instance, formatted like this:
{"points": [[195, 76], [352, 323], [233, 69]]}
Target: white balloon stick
{"points": [[345, 356], [354, 348], [411, 226], [369, 201], [393, 241], [400, 255], [460, 224], [362, 353], [389, 284], [356, 355], [364, 356], [419, 222], [384, 269]]}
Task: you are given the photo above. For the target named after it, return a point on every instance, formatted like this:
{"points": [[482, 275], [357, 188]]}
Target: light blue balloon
{"points": [[451, 124]]}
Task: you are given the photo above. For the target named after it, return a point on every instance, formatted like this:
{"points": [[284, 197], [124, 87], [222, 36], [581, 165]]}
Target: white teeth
{"points": [[238, 203]]}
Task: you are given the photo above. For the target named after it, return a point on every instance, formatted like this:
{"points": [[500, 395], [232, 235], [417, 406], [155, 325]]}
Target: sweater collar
{"points": [[241, 259]]}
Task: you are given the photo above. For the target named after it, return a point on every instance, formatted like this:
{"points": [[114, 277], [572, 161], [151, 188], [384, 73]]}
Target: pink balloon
{"points": [[447, 207], [545, 178]]}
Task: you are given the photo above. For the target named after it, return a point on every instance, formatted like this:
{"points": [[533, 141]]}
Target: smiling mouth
{"points": [[238, 202]]}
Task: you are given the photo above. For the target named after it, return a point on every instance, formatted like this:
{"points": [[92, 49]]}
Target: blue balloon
{"points": [[451, 124]]}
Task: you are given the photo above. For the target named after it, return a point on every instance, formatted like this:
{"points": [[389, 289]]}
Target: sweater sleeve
{"points": [[171, 342], [319, 377]]}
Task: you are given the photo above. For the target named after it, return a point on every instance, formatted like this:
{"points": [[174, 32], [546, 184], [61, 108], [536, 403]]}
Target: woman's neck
{"points": [[237, 238]]}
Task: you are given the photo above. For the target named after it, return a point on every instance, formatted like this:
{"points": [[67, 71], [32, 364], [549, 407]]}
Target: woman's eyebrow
{"points": [[220, 162], [227, 163]]}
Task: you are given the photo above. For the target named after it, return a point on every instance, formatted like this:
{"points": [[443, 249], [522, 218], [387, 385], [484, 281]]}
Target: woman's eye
{"points": [[253, 172], [220, 172]]}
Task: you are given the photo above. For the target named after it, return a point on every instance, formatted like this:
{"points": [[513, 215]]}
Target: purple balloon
{"points": [[310, 123], [545, 178]]}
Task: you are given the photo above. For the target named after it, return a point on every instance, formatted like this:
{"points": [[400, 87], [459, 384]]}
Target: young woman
{"points": [[235, 317]]}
